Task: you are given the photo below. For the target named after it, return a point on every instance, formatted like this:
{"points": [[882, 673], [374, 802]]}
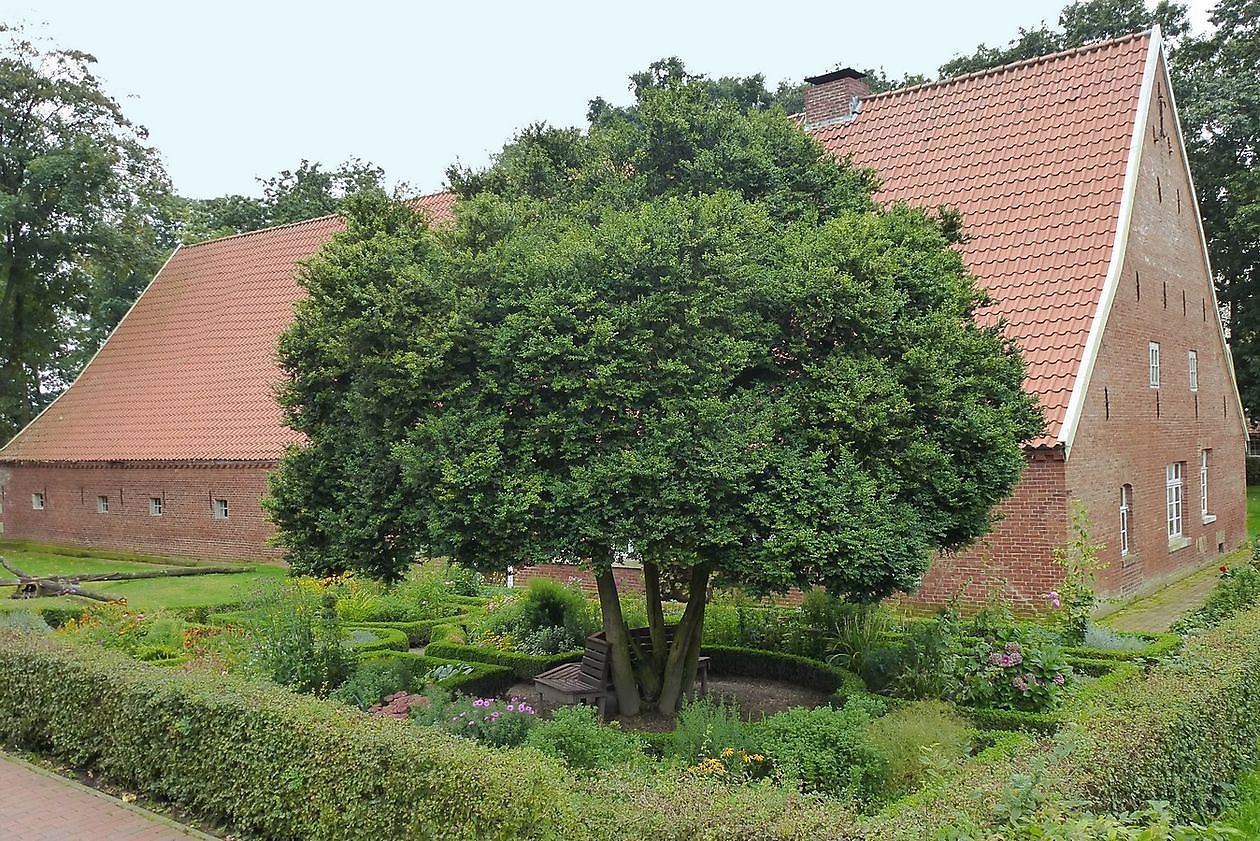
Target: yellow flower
{"points": [[728, 752]]}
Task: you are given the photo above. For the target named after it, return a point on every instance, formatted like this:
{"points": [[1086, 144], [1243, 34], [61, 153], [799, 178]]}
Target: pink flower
{"points": [[1004, 660], [1016, 658], [1059, 680], [995, 658], [510, 708]]}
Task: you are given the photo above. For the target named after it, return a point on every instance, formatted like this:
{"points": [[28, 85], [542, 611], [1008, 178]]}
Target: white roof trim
{"points": [[1207, 260], [120, 323], [1076, 404]]}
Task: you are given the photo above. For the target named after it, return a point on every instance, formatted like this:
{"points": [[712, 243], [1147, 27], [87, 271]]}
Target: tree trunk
{"points": [[655, 615], [680, 667], [624, 683]]}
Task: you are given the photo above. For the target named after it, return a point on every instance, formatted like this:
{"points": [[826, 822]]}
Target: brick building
{"points": [[1080, 221]]}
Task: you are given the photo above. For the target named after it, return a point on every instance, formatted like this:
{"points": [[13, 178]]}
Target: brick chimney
{"points": [[834, 97]]}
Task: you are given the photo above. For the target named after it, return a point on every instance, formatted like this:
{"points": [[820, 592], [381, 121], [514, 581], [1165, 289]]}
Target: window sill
{"points": [[1209, 518], [1177, 543]]}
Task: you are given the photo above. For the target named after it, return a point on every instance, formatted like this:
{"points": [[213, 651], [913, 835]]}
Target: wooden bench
{"points": [[589, 681]]}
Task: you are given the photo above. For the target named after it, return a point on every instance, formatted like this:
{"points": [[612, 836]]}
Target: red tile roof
{"points": [[1034, 156], [190, 373]]}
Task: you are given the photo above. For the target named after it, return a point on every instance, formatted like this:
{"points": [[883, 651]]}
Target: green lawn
{"points": [[144, 594], [1253, 510]]}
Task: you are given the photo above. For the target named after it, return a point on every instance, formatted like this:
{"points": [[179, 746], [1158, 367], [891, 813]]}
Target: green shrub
{"points": [[575, 735], [826, 750], [1017, 669], [297, 640], [705, 727], [22, 620], [375, 638], [272, 763], [372, 680], [501, 724], [1181, 734], [1243, 814], [918, 739], [546, 642], [543, 604], [471, 677], [525, 666], [929, 660]]}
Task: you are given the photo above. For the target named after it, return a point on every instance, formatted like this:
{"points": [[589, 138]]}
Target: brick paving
{"points": [[1156, 612], [37, 805]]}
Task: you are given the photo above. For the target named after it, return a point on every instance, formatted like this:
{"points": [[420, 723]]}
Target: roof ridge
{"points": [[270, 228], [1048, 57]]}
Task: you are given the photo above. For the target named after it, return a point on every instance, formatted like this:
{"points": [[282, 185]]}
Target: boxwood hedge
{"points": [[270, 762]]}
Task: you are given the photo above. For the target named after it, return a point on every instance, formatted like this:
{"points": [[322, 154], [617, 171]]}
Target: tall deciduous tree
{"points": [[689, 329], [80, 198]]}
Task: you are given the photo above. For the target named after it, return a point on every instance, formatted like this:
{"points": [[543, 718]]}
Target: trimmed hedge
{"points": [[484, 679], [791, 668], [418, 631], [1161, 645], [1183, 734], [387, 639], [269, 761], [448, 643]]}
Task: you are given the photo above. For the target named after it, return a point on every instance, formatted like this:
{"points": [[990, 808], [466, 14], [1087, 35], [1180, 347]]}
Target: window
{"points": [[1204, 457], [102, 505], [1126, 506], [1154, 352], [1194, 371], [155, 506], [220, 509], [1174, 474], [37, 502]]}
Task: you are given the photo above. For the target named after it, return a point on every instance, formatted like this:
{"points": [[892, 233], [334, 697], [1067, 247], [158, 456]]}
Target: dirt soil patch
{"points": [[756, 698]]}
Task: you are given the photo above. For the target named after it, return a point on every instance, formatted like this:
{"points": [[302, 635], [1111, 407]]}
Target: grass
{"points": [[143, 594], [1253, 510]]}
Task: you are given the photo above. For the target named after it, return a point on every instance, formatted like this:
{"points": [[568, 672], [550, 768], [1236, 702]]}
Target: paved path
{"points": [[37, 805], [1155, 613]]}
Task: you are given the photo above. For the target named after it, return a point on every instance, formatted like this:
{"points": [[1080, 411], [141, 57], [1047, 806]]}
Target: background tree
{"points": [[689, 328], [80, 193], [294, 195]]}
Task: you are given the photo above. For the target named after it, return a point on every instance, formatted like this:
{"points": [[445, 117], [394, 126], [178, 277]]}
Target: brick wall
{"points": [[186, 526], [1130, 432]]}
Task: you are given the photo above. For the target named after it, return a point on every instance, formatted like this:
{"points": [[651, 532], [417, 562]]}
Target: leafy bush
{"points": [[501, 724], [22, 620], [548, 641], [372, 680], [460, 580], [297, 640], [826, 750], [543, 604], [1017, 669], [919, 739], [1237, 590], [928, 662], [704, 727], [575, 735], [241, 751]]}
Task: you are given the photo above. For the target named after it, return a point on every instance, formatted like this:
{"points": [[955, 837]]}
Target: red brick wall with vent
{"points": [[186, 526]]}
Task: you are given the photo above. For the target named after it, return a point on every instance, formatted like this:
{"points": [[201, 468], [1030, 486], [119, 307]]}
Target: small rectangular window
{"points": [[1174, 474], [1194, 371], [102, 505], [220, 509], [155, 506], [1154, 358], [1126, 506], [37, 502], [1204, 457]]}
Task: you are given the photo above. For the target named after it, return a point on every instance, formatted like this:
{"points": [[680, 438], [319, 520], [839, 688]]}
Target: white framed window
{"points": [[220, 509], [37, 501], [1154, 360], [1204, 457], [1174, 473], [155, 506], [102, 505], [1126, 507], [1194, 370]]}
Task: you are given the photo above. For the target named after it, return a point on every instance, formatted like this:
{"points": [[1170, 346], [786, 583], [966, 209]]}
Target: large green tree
{"points": [[81, 194], [688, 329]]}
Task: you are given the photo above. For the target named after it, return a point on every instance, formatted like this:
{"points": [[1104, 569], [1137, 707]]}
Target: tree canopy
{"points": [[82, 200], [688, 328]]}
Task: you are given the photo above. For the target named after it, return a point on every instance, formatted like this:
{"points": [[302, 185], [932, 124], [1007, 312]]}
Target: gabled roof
{"points": [[1033, 154], [190, 372]]}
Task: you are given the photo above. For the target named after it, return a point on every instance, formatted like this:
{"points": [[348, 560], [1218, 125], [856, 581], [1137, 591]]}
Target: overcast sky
{"points": [[231, 90]]}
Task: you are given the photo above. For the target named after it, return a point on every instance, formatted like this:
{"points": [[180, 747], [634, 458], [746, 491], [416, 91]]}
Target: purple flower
{"points": [[1057, 604], [510, 708], [1059, 680], [1004, 660], [1016, 658], [472, 723], [995, 658]]}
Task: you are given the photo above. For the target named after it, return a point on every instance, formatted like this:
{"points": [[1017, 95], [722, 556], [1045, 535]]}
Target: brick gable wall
{"points": [[187, 525], [1129, 432]]}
